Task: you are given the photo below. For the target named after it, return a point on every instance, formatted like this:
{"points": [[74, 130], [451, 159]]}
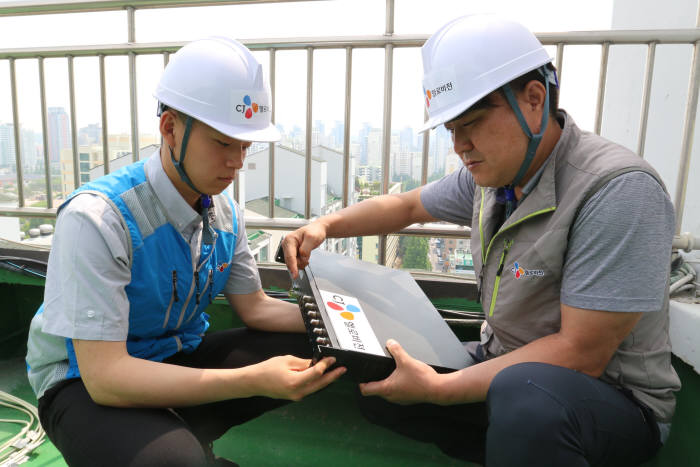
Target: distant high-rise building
{"points": [[32, 151], [374, 147], [369, 173], [405, 164], [321, 127], [406, 139], [363, 140], [440, 147], [91, 134], [337, 136], [7, 145], [59, 133]]}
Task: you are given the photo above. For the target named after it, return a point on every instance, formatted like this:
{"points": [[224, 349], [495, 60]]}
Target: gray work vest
{"points": [[519, 266]]}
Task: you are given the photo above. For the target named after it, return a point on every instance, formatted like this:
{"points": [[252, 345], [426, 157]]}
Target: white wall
{"points": [[669, 91], [9, 228], [289, 179]]}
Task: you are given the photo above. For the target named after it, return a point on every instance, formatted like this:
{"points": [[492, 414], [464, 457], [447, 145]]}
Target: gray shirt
{"points": [[610, 264], [88, 271]]}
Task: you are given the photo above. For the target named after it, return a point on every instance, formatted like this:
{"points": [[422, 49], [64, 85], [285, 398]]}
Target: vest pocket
{"points": [[208, 284], [506, 246]]}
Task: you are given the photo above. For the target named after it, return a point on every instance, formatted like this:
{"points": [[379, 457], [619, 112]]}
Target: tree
{"points": [[415, 253]]}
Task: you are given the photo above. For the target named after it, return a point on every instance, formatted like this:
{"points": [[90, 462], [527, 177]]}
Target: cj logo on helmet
{"points": [[248, 107], [430, 94]]}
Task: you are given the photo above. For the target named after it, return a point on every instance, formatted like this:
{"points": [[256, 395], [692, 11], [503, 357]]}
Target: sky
{"points": [[332, 18]]}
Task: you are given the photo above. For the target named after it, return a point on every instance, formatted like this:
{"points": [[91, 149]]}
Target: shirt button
{"points": [[91, 313]]}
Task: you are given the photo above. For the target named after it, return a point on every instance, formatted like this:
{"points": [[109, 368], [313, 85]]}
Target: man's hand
{"points": [[298, 245], [410, 383], [288, 377]]}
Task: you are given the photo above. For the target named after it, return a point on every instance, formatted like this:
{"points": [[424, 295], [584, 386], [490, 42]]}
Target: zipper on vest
{"points": [[196, 281], [173, 299], [209, 277], [506, 246], [185, 305], [196, 269], [210, 283], [175, 286], [481, 281]]}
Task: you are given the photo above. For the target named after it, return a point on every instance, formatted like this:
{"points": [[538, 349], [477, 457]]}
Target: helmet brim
{"points": [[268, 134], [449, 114]]}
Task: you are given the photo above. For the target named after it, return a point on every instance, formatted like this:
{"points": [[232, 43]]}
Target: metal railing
{"points": [[389, 42]]}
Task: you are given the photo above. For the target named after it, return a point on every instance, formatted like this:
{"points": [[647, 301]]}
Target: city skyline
{"points": [[365, 145], [323, 18]]}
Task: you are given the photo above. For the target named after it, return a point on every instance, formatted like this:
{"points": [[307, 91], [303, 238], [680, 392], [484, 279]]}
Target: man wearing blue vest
{"points": [[571, 238], [117, 354]]}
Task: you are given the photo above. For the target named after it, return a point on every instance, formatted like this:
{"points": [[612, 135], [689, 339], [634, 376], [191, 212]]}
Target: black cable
{"points": [[22, 269], [23, 258]]}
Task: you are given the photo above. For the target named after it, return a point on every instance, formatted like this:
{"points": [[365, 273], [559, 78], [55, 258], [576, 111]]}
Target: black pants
{"points": [[92, 435], [534, 415]]}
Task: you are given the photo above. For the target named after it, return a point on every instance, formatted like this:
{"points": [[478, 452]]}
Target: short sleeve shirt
{"points": [[88, 269], [615, 261]]}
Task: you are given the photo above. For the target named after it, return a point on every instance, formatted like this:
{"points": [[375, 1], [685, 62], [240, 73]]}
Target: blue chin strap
{"points": [[535, 140], [205, 200]]}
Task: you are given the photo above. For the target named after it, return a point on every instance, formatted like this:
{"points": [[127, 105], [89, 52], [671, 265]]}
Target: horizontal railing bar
{"points": [[675, 36], [422, 230], [279, 223], [45, 7], [28, 212], [255, 44], [620, 37], [263, 223]]}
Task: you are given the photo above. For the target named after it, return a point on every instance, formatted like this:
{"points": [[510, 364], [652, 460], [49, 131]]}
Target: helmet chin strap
{"points": [[534, 139], [205, 200], [179, 165]]}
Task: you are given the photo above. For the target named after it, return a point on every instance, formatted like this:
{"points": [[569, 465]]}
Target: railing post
{"points": [[646, 94], [604, 53], [271, 146], [103, 109], [426, 150], [309, 129], [17, 134], [73, 126], [687, 142], [560, 62], [45, 133], [133, 101], [386, 126], [346, 127]]}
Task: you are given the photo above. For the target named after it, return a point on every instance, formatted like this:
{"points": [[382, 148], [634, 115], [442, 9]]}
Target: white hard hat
{"points": [[472, 56], [218, 82]]}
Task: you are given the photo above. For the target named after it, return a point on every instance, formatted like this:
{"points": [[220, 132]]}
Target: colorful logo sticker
{"points": [[346, 311], [221, 267], [428, 96], [248, 108], [518, 271], [350, 323]]}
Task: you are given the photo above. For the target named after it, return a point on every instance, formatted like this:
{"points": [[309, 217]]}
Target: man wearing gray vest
{"points": [[571, 238]]}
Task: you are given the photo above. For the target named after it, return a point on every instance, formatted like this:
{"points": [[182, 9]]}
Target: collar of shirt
{"points": [[180, 214]]}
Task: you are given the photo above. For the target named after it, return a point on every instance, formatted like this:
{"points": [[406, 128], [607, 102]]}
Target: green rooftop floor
{"points": [[323, 429]]}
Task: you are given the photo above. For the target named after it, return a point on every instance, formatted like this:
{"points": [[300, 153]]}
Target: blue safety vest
{"points": [[167, 293]]}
